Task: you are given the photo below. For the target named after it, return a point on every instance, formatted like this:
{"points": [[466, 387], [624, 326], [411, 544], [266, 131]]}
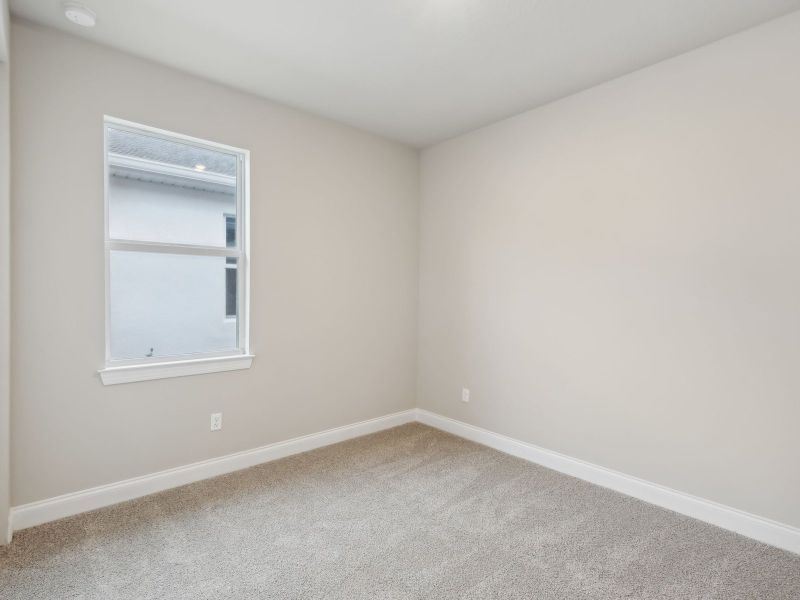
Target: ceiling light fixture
{"points": [[79, 14], [199, 167]]}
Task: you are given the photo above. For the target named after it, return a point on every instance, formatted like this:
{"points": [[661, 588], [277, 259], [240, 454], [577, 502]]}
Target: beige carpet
{"points": [[407, 513]]}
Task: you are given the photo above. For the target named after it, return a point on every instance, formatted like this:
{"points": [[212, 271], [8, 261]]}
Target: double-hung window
{"points": [[176, 255]]}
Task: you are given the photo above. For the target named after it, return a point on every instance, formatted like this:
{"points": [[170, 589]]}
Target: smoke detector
{"points": [[79, 14]]}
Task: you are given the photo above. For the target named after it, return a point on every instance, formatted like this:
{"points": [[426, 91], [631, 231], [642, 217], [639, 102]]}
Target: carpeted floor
{"points": [[407, 513]]}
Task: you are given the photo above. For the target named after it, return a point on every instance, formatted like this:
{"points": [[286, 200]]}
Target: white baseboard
{"points": [[36, 513], [752, 526], [755, 527]]}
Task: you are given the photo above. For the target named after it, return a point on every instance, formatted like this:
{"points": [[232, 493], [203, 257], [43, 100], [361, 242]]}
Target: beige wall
{"points": [[334, 273], [5, 273], [616, 276]]}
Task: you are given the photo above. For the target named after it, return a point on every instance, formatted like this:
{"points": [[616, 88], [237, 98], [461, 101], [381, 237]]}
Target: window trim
{"points": [[178, 368], [142, 369]]}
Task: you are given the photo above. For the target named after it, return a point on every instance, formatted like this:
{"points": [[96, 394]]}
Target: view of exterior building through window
{"points": [[230, 268], [174, 247]]}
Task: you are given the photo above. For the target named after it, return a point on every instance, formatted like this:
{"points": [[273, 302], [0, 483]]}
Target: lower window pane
{"points": [[171, 304]]}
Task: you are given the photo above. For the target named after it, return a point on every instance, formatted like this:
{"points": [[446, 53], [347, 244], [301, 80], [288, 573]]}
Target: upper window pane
{"points": [[230, 231], [169, 192]]}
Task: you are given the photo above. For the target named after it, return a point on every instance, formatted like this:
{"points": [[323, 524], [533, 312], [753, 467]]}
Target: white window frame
{"points": [[142, 369]]}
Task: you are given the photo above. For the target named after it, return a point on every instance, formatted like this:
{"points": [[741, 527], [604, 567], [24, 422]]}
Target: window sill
{"points": [[180, 368]]}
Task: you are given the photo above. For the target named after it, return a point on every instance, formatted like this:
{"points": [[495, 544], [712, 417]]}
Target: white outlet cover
{"points": [[465, 395], [216, 421]]}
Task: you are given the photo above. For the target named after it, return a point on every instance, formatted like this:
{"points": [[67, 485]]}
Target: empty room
{"points": [[400, 299]]}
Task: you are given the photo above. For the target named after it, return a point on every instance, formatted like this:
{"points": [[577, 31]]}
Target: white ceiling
{"points": [[418, 71]]}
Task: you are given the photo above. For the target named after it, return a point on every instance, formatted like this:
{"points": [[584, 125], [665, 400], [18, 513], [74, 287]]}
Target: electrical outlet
{"points": [[464, 395], [216, 421]]}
